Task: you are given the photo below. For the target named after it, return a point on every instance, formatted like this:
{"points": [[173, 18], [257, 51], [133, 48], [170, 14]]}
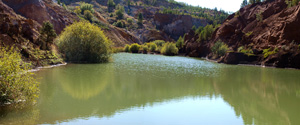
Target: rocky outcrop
{"points": [[22, 33], [151, 35], [15, 28], [266, 26], [176, 25], [193, 48], [43, 10]]}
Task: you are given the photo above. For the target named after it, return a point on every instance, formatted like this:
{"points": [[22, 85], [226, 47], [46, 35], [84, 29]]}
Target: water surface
{"points": [[155, 89]]}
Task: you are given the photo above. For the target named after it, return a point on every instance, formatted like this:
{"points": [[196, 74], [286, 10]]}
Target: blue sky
{"points": [[227, 5]]}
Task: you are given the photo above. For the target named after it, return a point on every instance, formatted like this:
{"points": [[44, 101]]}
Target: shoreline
{"points": [[35, 69]]}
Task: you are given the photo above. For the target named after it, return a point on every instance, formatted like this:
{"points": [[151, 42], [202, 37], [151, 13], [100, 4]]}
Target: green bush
{"points": [[120, 12], [140, 19], [259, 17], [86, 6], [246, 51], [159, 43], [84, 42], [205, 33], [219, 48], [145, 48], [169, 49], [152, 47], [127, 48], [88, 15], [268, 52], [129, 20], [16, 83], [134, 48], [180, 42], [47, 32], [119, 23]]}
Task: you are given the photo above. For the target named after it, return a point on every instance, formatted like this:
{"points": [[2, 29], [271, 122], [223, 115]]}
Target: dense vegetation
{"points": [[84, 42], [205, 33], [169, 49], [214, 16], [219, 48], [16, 83], [47, 35]]}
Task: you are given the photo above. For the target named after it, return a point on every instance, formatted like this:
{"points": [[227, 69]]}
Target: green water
{"points": [[154, 89]]}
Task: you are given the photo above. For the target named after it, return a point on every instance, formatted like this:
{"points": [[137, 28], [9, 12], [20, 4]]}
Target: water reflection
{"points": [[257, 95]]}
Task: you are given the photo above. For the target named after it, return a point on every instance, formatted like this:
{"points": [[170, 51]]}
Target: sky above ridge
{"points": [[227, 5]]}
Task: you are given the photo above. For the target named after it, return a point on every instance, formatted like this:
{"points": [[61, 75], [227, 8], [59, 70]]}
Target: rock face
{"points": [[22, 33], [193, 48], [15, 27], [261, 26], [176, 25], [41, 11]]}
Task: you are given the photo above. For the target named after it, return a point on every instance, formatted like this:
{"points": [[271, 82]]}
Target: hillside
{"points": [[21, 22], [263, 33]]}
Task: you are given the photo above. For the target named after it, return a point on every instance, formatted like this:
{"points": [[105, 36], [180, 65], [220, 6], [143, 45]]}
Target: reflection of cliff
{"points": [[261, 96]]}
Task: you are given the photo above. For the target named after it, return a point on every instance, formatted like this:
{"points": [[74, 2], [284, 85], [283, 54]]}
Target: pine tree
{"points": [[244, 3], [140, 19], [47, 32]]}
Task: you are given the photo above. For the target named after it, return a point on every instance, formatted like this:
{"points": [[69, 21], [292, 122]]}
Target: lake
{"points": [[154, 89]]}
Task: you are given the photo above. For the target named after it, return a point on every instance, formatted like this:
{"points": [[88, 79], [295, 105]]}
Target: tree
{"points": [[47, 35], [244, 3], [134, 48], [77, 10], [83, 42], [58, 2], [120, 12], [252, 1], [180, 42], [88, 15], [86, 6], [140, 19], [111, 5], [169, 49], [16, 82]]}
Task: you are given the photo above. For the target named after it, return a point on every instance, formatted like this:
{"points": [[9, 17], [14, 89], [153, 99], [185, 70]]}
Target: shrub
{"points": [[145, 48], [88, 15], [219, 48], [119, 23], [249, 34], [246, 51], [129, 20], [268, 52], [159, 43], [47, 35], [84, 42], [120, 12], [140, 19], [205, 33], [134, 48], [152, 47], [16, 83], [127, 48], [169, 49], [86, 6], [47, 32], [259, 17], [180, 42]]}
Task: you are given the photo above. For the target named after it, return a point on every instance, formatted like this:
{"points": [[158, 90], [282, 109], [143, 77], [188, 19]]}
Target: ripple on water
{"points": [[158, 64]]}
